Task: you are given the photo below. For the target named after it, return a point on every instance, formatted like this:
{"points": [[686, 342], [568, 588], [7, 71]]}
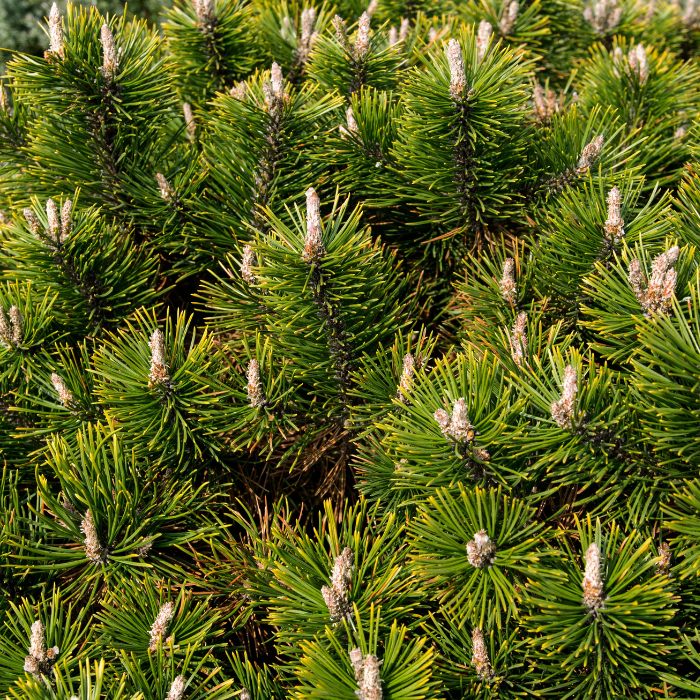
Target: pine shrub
{"points": [[351, 351]]}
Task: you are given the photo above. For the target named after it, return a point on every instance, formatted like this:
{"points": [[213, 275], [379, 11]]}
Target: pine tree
{"points": [[351, 351]]}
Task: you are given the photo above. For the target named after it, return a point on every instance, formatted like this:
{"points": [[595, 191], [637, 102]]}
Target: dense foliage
{"points": [[21, 22], [351, 351]]}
